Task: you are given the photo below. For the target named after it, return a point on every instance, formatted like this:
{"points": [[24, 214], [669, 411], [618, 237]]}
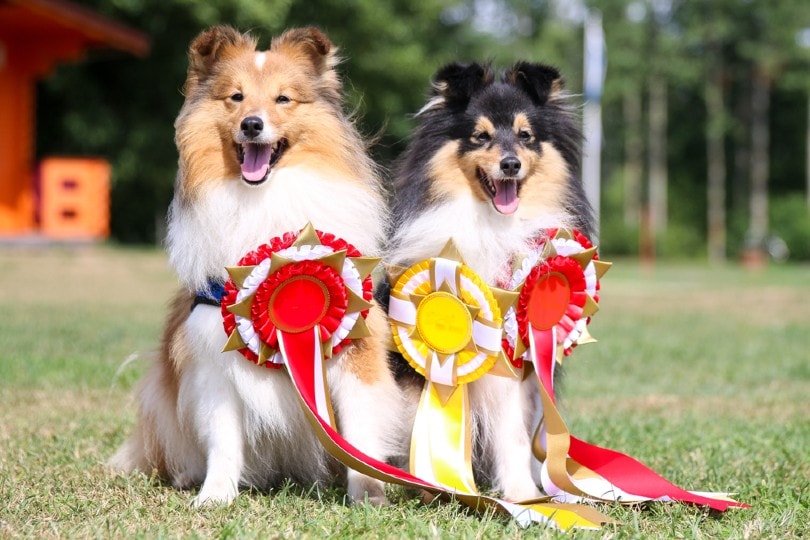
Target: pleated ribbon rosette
{"points": [[300, 298], [558, 286], [295, 302]]}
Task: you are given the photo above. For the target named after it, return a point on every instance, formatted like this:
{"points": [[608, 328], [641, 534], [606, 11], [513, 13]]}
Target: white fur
{"points": [[234, 218], [245, 418], [487, 240], [248, 421], [234, 423], [261, 57]]}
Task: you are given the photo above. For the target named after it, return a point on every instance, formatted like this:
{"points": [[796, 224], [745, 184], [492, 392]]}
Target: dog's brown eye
{"points": [[482, 138], [237, 97], [282, 99], [525, 135]]}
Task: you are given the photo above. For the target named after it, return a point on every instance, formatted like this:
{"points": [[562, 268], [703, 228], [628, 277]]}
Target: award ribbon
{"points": [[558, 285]]}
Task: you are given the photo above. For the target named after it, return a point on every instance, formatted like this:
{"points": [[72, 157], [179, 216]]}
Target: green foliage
{"points": [[682, 239], [790, 223], [790, 220], [616, 238]]}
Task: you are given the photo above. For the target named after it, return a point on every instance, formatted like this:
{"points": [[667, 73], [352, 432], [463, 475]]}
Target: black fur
{"points": [[463, 92]]}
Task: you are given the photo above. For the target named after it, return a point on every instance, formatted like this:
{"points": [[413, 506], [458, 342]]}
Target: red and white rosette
{"points": [[298, 297], [558, 284], [563, 251]]}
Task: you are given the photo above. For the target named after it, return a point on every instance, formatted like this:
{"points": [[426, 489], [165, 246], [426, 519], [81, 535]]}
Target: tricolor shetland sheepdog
{"points": [[264, 148], [492, 163]]}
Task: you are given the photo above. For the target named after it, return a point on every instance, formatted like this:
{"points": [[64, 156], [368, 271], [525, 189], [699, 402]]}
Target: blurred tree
{"points": [[625, 38], [681, 84], [123, 108], [709, 32], [744, 47], [769, 47], [705, 51]]}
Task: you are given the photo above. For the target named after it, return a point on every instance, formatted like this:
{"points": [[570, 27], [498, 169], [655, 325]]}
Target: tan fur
{"points": [[522, 123], [546, 186], [483, 125], [172, 350], [298, 65], [362, 358], [445, 170]]}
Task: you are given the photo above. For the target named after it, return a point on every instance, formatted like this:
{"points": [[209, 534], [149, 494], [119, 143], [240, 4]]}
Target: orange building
{"points": [[36, 35]]}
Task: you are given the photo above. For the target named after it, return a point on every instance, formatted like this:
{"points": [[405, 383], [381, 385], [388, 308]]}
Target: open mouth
{"points": [[257, 160], [502, 191]]}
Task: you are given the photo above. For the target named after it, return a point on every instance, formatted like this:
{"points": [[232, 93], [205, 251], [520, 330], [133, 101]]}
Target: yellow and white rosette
{"points": [[447, 324], [446, 321]]}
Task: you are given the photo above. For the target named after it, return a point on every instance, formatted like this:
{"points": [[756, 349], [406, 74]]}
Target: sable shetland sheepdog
{"points": [[264, 147], [492, 163]]}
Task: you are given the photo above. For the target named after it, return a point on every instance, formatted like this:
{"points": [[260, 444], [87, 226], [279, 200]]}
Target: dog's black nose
{"points": [[252, 126], [510, 165]]}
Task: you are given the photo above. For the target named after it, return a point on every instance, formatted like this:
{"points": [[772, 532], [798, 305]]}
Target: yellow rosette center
{"points": [[444, 322]]}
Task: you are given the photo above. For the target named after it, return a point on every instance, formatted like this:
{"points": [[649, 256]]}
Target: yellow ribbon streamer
{"points": [[440, 445]]}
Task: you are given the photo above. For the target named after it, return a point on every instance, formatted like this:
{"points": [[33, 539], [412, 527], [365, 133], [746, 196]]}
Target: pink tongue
{"points": [[506, 199], [256, 162]]}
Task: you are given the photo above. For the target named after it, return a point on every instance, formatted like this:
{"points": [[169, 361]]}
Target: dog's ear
{"points": [[308, 43], [311, 45], [208, 48], [543, 83], [454, 85]]}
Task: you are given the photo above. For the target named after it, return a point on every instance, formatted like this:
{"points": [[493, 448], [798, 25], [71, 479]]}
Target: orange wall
{"points": [[16, 140]]}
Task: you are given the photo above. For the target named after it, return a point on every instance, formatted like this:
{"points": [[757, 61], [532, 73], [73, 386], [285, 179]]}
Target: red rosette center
{"points": [[298, 304], [553, 292], [296, 297], [548, 301]]}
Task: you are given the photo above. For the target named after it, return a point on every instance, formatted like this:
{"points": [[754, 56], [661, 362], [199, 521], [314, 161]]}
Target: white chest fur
{"points": [[486, 239], [233, 218]]}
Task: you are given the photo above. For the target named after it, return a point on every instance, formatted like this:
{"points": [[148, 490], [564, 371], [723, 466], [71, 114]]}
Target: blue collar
{"points": [[211, 295]]}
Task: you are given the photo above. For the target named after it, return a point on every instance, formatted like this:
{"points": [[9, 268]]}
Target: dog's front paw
{"points": [[215, 493], [522, 491], [365, 490]]}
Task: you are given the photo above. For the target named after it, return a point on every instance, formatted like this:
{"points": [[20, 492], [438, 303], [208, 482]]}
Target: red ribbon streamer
{"points": [[632, 476], [545, 348], [298, 350], [625, 472]]}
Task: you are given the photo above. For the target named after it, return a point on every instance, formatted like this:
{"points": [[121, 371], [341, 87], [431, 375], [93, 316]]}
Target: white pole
{"points": [[593, 80], [807, 151]]}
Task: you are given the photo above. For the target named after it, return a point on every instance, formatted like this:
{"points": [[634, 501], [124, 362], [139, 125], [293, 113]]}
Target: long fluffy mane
{"points": [[324, 175]]}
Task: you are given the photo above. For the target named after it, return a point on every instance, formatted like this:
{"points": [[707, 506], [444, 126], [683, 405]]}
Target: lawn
{"points": [[702, 373]]}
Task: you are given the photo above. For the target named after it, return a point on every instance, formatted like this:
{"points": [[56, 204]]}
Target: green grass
{"points": [[702, 373]]}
